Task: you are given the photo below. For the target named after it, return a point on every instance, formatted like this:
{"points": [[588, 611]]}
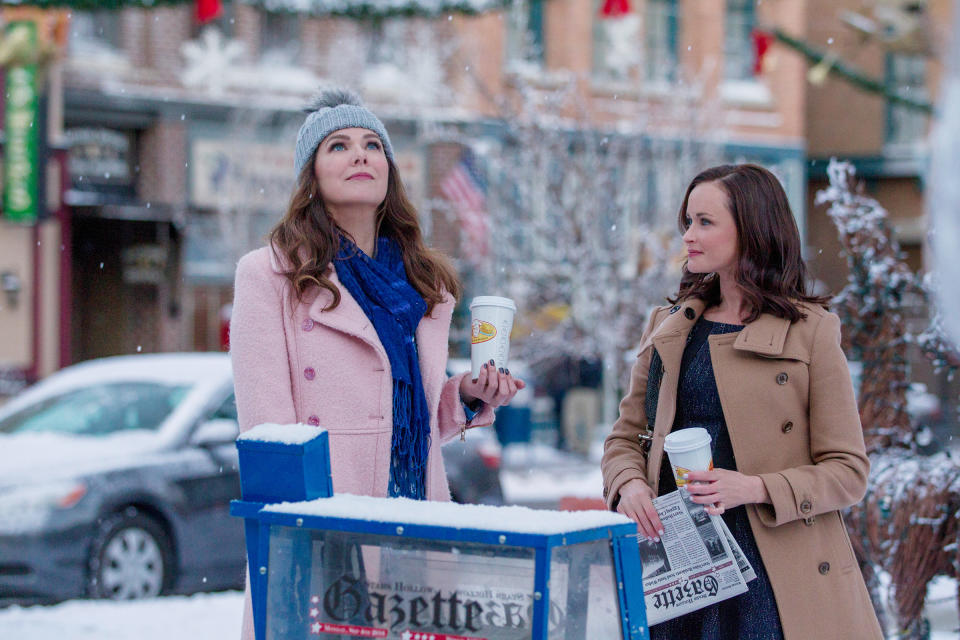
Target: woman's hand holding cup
{"points": [[492, 386], [721, 489]]}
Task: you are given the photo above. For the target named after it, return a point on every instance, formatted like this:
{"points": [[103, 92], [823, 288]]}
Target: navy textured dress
{"points": [[752, 615]]}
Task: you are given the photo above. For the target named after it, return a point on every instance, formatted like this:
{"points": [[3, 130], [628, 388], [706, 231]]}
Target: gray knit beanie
{"points": [[332, 110]]}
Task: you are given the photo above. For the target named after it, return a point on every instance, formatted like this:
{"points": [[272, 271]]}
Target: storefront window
{"points": [[739, 23], [662, 38]]}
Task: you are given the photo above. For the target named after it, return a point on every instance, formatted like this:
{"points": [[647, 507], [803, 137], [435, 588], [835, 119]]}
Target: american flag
{"points": [[465, 189]]}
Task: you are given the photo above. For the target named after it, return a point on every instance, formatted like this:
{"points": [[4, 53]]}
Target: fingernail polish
{"points": [[660, 531], [492, 363], [486, 365], [500, 369], [507, 371]]}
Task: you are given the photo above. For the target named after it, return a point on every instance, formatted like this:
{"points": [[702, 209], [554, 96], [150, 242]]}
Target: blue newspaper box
{"points": [[348, 566]]}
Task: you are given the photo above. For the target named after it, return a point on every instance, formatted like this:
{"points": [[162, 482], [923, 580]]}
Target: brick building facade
{"points": [[201, 127]]}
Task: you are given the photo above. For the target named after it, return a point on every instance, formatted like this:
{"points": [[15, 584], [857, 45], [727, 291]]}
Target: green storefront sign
{"points": [[21, 124]]}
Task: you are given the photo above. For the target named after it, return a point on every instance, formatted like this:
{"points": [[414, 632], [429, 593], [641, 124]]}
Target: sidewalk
{"points": [[540, 476]]}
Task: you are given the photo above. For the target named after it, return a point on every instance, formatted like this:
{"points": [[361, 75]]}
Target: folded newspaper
{"points": [[696, 563]]}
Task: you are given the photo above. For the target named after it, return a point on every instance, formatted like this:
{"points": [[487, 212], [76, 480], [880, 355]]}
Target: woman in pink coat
{"points": [[342, 321]]}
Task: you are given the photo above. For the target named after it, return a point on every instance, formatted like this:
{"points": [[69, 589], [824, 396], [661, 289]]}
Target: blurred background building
{"points": [[164, 142]]}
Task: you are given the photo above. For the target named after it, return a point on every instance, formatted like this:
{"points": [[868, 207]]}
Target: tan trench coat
{"points": [[790, 409]]}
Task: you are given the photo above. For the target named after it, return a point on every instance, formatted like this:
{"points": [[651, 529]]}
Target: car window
{"points": [[227, 411], [99, 409]]}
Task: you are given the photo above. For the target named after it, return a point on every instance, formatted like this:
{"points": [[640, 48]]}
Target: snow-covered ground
{"points": [[217, 617], [213, 616]]}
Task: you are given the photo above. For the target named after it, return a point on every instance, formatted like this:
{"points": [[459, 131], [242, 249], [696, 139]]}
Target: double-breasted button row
{"points": [[689, 313], [806, 506], [309, 373], [824, 568], [313, 421], [787, 426], [308, 324], [782, 377], [809, 521]]}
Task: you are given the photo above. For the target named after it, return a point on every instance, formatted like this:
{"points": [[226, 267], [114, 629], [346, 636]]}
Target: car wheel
{"points": [[131, 557]]}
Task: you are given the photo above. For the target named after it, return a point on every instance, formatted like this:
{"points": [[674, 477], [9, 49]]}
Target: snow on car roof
{"points": [[167, 368], [448, 514]]}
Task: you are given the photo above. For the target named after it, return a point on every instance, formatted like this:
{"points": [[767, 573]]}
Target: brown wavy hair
{"points": [[770, 268], [307, 239]]}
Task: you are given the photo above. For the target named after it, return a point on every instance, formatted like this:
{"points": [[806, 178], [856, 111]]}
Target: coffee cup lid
{"points": [[493, 301], [686, 440]]}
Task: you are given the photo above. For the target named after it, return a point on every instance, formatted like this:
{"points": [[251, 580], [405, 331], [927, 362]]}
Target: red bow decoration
{"points": [[761, 44], [208, 10], [614, 8]]}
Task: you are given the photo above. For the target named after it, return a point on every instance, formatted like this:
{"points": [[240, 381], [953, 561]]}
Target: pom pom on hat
{"points": [[331, 110], [333, 97]]}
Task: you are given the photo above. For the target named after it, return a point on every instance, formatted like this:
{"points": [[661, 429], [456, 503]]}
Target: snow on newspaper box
{"points": [[345, 566]]}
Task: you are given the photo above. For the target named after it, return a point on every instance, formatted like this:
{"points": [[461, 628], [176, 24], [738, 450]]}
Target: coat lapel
{"points": [[346, 318], [670, 338]]}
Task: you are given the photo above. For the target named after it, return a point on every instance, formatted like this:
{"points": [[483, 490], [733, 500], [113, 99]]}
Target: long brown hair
{"points": [[307, 239], [770, 268]]}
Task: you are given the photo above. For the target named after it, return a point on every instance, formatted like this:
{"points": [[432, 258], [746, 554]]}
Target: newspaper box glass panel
{"points": [[338, 584], [583, 593]]}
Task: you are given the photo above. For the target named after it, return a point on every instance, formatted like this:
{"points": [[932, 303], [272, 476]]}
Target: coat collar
{"points": [[765, 336]]}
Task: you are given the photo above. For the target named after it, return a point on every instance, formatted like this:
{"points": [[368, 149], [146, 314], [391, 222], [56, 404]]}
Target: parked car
{"points": [[473, 467], [116, 477], [115, 481]]}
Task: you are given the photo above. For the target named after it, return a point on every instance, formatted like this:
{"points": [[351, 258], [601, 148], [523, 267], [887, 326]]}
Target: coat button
{"points": [[782, 378], [308, 324], [313, 421], [689, 313], [805, 506], [675, 309], [309, 373], [809, 521], [824, 568], [787, 427]]}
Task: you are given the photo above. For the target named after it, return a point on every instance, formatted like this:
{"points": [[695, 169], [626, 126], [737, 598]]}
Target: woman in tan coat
{"points": [[748, 354]]}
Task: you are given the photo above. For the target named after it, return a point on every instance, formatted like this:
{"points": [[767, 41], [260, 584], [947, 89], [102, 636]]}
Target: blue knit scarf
{"points": [[395, 308]]}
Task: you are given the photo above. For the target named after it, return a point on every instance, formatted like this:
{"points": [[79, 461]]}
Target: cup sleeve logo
{"points": [[481, 331], [680, 471]]}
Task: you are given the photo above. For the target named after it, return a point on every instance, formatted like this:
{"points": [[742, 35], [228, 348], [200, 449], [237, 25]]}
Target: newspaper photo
{"points": [[694, 564]]}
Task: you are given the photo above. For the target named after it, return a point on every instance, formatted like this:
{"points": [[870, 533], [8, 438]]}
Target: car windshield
{"points": [[99, 410]]}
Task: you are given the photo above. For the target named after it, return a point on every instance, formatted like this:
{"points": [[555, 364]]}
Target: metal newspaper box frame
{"points": [[305, 476]]}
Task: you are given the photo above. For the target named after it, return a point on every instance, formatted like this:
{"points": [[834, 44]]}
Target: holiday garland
{"points": [[378, 8], [346, 8], [854, 76], [94, 5]]}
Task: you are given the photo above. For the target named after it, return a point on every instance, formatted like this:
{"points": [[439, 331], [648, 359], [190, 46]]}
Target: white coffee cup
{"points": [[491, 320], [688, 450]]}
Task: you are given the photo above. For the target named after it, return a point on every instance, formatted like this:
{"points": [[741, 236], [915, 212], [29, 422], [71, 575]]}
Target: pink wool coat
{"points": [[295, 362]]}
